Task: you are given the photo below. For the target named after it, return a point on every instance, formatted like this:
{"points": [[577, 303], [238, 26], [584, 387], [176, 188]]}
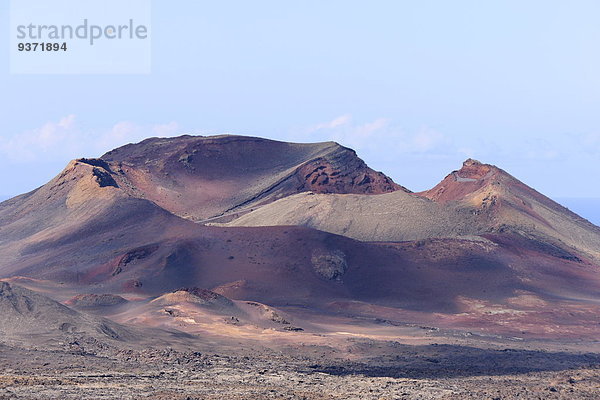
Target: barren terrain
{"points": [[233, 267], [390, 371]]}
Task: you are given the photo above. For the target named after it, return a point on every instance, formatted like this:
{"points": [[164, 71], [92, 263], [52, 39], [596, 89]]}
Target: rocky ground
{"points": [[88, 369]]}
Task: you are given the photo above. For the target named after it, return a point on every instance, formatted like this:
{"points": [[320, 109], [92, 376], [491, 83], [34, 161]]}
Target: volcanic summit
{"points": [[296, 239]]}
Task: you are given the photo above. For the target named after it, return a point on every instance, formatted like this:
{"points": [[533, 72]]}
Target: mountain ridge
{"points": [[165, 170], [477, 199], [132, 225]]}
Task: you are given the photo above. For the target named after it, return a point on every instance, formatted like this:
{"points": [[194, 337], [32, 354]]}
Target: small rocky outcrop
{"points": [[195, 295], [330, 265], [343, 172], [104, 178], [96, 300], [133, 255]]}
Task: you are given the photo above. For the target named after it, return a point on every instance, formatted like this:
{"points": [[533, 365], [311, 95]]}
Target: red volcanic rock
{"points": [[346, 174], [487, 186], [471, 177], [114, 224], [199, 177], [473, 169]]}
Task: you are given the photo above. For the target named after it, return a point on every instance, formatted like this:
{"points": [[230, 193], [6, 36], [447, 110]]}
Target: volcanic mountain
{"points": [[100, 223], [478, 199], [203, 177], [480, 251]]}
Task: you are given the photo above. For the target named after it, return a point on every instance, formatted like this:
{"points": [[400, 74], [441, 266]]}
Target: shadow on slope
{"points": [[453, 361]]}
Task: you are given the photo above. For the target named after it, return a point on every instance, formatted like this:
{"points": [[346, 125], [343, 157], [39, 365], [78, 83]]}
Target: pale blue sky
{"points": [[414, 86]]}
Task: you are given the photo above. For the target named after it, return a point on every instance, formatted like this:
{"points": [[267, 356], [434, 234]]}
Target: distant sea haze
{"points": [[588, 208]]}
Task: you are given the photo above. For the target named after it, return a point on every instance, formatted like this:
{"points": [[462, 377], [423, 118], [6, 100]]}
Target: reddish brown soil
{"points": [[203, 177], [100, 227]]}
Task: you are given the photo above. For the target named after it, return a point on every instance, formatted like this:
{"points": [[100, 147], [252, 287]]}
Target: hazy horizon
{"points": [[414, 87]]}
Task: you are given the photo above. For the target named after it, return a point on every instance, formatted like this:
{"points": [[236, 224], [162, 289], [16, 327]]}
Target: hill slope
{"points": [[203, 177], [26, 314], [99, 228], [478, 199]]}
